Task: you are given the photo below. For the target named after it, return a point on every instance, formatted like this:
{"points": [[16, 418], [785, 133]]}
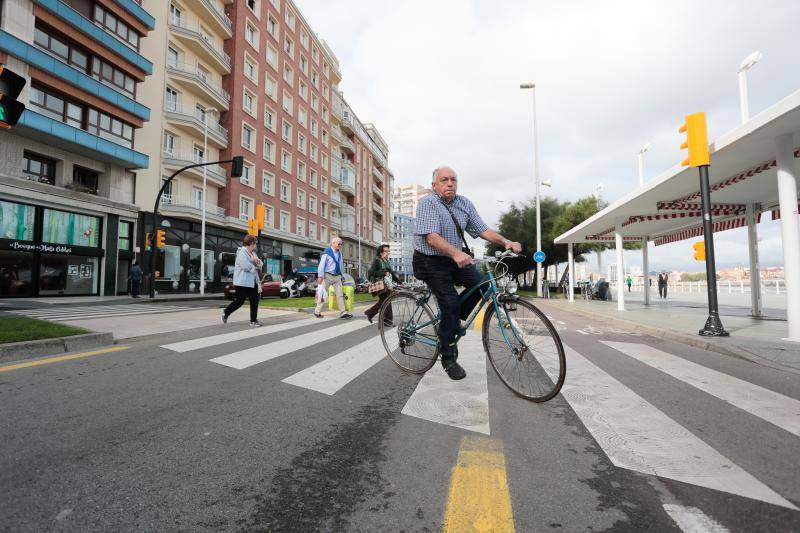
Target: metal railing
{"points": [[196, 115], [181, 26], [196, 72]]}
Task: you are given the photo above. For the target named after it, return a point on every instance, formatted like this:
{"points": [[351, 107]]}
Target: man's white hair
{"points": [[335, 240], [437, 169]]}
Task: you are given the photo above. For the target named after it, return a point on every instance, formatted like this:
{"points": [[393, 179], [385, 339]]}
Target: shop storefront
{"points": [[49, 252]]}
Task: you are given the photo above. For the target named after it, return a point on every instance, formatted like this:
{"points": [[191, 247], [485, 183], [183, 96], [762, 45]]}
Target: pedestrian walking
{"points": [[246, 280], [378, 271], [663, 278], [629, 281], [136, 279], [329, 274]]}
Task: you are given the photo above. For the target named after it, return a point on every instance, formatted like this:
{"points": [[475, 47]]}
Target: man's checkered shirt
{"points": [[432, 217]]}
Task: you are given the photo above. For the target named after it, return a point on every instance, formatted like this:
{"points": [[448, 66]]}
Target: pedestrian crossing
{"points": [[633, 432], [61, 314]]}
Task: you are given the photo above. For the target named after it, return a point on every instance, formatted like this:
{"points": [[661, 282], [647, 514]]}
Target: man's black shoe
{"points": [[454, 370]]}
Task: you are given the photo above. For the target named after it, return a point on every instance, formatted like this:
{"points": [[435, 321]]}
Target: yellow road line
{"points": [[479, 499], [59, 358]]}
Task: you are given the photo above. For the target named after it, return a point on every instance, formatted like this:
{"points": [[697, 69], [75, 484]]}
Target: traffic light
{"points": [[699, 250], [696, 140], [260, 215], [252, 227], [148, 241], [11, 85], [237, 168], [160, 238]]}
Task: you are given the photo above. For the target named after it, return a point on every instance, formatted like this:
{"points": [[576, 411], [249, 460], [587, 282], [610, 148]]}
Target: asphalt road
{"points": [[159, 439]]}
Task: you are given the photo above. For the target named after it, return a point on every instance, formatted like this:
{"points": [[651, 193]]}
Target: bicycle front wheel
{"points": [[409, 332], [524, 349]]}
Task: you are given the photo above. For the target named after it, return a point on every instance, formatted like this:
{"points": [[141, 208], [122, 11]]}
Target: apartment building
{"points": [[362, 215], [286, 117], [406, 197], [401, 247], [188, 47], [68, 218]]}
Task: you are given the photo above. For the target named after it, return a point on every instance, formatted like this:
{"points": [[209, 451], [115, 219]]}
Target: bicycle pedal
{"points": [[462, 332]]}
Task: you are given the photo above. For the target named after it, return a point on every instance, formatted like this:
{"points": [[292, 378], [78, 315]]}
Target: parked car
{"points": [[270, 287]]}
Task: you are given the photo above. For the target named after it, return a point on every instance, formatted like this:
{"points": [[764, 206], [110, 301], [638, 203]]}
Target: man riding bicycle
{"points": [[443, 260]]}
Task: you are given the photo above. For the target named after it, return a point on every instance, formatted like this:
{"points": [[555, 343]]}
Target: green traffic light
{"points": [[2, 113]]}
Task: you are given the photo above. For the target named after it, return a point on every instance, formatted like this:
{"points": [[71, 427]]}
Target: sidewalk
{"points": [[29, 303], [757, 340]]}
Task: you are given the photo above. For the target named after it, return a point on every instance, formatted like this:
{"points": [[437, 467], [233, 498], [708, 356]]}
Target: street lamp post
{"points": [[748, 63], [203, 202], [532, 87], [642, 150]]}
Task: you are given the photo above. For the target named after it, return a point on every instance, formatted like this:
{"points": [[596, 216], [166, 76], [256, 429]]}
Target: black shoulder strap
{"points": [[458, 227]]}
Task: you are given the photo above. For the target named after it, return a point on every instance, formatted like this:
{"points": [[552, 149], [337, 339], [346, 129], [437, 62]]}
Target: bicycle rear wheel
{"points": [[412, 348], [524, 349]]}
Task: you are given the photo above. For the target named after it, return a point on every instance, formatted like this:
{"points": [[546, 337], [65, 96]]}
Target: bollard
{"points": [[741, 286], [729, 287]]}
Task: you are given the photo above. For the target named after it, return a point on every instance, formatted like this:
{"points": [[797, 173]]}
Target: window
{"points": [[171, 99], [245, 208], [269, 216], [107, 127], [326, 69], [300, 226], [314, 127], [315, 79], [312, 204], [286, 191], [314, 102], [323, 185], [197, 197], [199, 154], [248, 103], [253, 6], [271, 88], [288, 46], [65, 227], [301, 198], [172, 57], [272, 56], [38, 168], [323, 233], [269, 150], [250, 69], [301, 143], [269, 118], [175, 15], [304, 64], [324, 138], [325, 92], [324, 114], [247, 174], [85, 180], [276, 3], [286, 161], [312, 178], [116, 27], [285, 221], [314, 152], [248, 135], [301, 171], [312, 230], [169, 144], [288, 74], [268, 183], [302, 116], [314, 54], [323, 210], [286, 131], [251, 34], [303, 89], [323, 161], [272, 26], [290, 18], [288, 103], [125, 235]]}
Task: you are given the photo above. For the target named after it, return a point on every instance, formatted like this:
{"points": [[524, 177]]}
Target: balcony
{"points": [[198, 81], [348, 121], [172, 206], [344, 143], [336, 221], [377, 191], [193, 124], [337, 106], [201, 44], [378, 208], [348, 184], [377, 173], [212, 15], [214, 173], [336, 199]]}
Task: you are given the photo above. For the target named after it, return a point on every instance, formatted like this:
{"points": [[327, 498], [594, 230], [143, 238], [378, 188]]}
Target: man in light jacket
{"points": [[329, 274], [246, 280]]}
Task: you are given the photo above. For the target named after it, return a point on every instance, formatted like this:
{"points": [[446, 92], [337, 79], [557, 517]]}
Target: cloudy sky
{"points": [[440, 79]]}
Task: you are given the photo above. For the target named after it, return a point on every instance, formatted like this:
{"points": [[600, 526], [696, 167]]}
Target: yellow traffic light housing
{"points": [[252, 227], [260, 215], [160, 238], [699, 251], [696, 140], [148, 241]]}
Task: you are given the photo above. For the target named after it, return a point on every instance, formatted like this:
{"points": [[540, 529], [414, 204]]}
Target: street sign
{"points": [[539, 257]]}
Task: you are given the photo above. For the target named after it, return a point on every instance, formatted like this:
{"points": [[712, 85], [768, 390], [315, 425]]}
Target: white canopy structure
{"points": [[753, 171]]}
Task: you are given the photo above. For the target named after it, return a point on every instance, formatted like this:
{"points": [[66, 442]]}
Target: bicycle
{"points": [[521, 343]]}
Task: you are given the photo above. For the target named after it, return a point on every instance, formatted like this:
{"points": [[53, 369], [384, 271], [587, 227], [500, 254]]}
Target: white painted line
{"points": [[581, 332], [110, 314], [775, 408], [463, 404], [561, 322], [637, 436], [330, 375], [224, 338], [259, 354], [693, 520]]}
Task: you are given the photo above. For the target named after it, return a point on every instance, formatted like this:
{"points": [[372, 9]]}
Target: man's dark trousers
{"points": [[442, 274]]}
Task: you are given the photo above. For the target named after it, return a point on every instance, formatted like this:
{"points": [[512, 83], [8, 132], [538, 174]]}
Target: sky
{"points": [[440, 80]]}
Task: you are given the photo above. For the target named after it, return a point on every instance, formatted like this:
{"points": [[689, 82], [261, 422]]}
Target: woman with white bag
{"points": [[378, 271]]}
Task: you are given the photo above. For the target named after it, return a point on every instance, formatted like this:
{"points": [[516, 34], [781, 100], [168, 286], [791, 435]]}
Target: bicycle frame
{"points": [[491, 294]]}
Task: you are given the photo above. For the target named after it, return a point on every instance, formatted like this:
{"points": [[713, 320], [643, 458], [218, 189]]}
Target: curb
{"points": [[17, 351], [696, 342]]}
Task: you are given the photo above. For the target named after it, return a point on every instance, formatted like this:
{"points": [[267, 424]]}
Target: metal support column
{"points": [[755, 275], [646, 271], [790, 232], [620, 270], [571, 274]]}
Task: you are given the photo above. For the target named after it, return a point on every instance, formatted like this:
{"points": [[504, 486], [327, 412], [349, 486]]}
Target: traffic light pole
{"points": [[154, 218], [713, 327]]}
